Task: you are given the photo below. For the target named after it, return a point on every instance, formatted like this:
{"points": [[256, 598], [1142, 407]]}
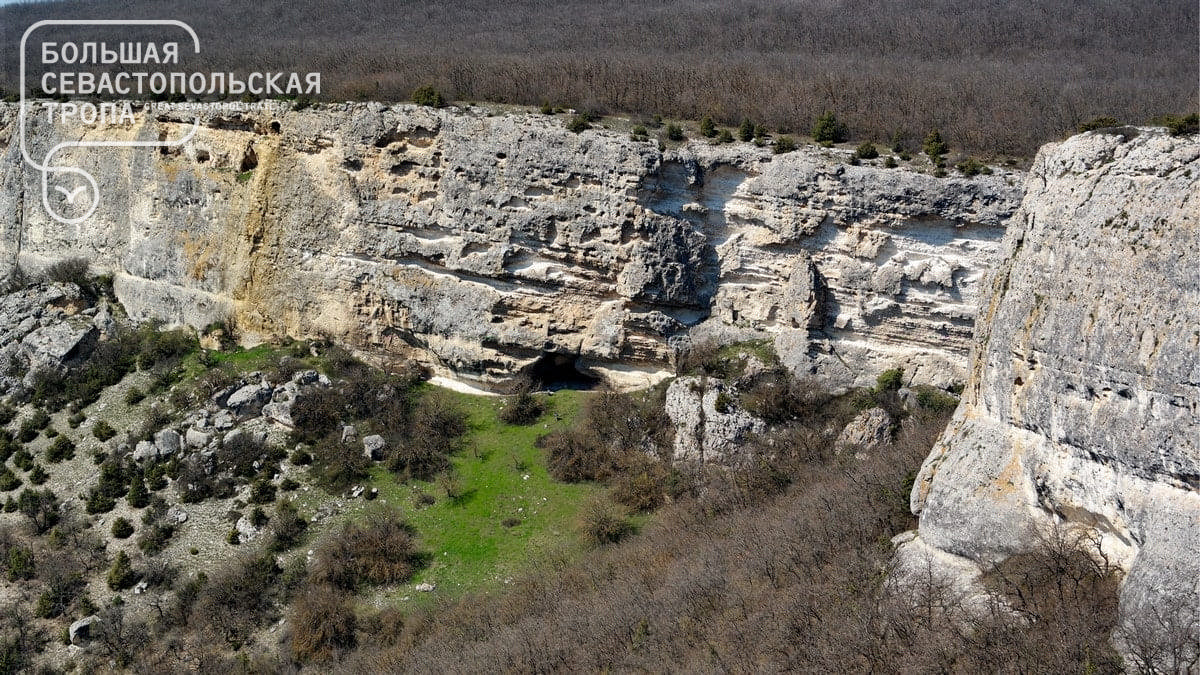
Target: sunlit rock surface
{"points": [[480, 243], [1083, 405]]}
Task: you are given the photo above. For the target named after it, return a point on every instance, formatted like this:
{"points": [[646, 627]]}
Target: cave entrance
{"points": [[558, 371]]}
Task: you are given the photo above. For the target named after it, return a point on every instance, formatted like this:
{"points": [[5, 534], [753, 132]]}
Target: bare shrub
{"points": [[238, 599], [120, 636], [701, 357], [20, 638], [239, 452], [574, 456], [323, 624], [318, 412], [287, 526], [602, 523], [379, 550], [336, 466], [614, 431], [70, 271], [1163, 637], [194, 482], [522, 407], [435, 433], [642, 484], [1066, 588]]}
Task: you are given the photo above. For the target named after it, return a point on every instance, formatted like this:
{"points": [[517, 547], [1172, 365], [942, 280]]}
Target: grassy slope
{"points": [[501, 473], [502, 476]]}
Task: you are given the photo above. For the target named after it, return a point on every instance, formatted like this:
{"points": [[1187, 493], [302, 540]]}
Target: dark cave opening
{"points": [[249, 161], [558, 371]]}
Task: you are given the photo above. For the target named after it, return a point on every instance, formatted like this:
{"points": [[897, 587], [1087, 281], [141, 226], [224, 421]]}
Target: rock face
{"points": [[1083, 404], [42, 328], [483, 244], [708, 423]]}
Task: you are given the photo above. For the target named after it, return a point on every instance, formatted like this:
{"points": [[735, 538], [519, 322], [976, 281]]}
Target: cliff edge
{"points": [[483, 242], [1083, 403]]}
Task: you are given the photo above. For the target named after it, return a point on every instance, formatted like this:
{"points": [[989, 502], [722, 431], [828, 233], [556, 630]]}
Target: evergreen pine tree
{"points": [[137, 496]]}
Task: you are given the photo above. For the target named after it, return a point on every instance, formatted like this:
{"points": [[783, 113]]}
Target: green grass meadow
{"points": [[501, 476]]}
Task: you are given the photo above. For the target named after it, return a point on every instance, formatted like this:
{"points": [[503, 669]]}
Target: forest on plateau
{"points": [[998, 78]]}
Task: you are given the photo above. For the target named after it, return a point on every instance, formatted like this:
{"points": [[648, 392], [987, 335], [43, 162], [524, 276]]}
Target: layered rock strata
{"points": [[484, 243]]}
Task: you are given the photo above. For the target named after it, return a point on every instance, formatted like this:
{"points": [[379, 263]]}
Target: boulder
{"points": [[909, 398], [221, 396], [250, 431], [249, 399], [48, 345], [144, 451], [246, 529], [871, 429], [374, 447], [305, 377], [104, 322], [286, 393], [349, 434], [279, 412], [168, 442], [58, 342], [196, 438], [197, 419], [223, 420], [81, 631], [177, 515]]}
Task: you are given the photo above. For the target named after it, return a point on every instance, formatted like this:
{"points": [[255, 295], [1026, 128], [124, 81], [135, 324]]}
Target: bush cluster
{"points": [[619, 439], [522, 407], [71, 271], [146, 347], [287, 526], [435, 432], [381, 549], [828, 130], [323, 624], [428, 96], [1180, 125]]}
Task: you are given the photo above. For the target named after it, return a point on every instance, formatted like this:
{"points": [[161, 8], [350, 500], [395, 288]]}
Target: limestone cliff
{"points": [[479, 242], [1083, 404]]}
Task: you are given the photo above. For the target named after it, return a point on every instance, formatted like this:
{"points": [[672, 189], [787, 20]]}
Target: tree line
{"points": [[996, 78]]}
